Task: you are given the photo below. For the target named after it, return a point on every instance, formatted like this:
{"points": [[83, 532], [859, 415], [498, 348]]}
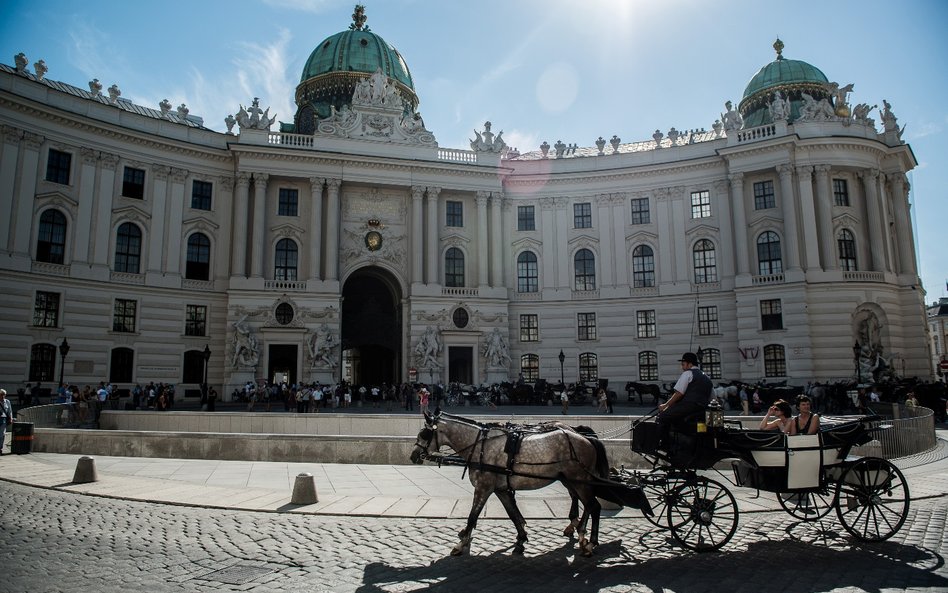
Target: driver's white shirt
{"points": [[683, 381]]}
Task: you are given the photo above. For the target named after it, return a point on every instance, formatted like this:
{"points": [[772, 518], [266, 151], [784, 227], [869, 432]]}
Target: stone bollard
{"points": [[85, 471], [304, 489]]}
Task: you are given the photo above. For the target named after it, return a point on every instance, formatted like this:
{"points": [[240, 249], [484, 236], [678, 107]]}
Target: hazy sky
{"points": [[539, 70]]}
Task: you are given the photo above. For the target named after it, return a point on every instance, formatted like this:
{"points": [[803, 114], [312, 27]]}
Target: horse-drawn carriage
{"points": [[810, 474]]}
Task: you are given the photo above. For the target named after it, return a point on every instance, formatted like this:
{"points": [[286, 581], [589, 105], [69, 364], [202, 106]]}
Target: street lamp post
{"points": [[562, 358], [857, 350], [207, 358], [63, 351]]}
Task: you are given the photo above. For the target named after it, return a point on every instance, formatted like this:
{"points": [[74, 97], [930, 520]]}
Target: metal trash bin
{"points": [[22, 438]]}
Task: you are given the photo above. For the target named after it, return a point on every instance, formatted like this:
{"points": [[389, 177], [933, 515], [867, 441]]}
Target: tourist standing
{"points": [[6, 417]]}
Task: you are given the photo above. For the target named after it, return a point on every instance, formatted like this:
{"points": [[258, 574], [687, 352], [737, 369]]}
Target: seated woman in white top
{"points": [[806, 422], [781, 412]]}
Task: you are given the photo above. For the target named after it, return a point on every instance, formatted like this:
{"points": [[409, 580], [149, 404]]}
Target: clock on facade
{"points": [[373, 240]]}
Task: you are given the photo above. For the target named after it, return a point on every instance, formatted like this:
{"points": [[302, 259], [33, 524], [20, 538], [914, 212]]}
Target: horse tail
{"points": [[602, 462]]}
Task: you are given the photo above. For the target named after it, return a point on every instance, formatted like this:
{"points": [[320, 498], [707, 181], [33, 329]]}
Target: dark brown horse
{"points": [[536, 457]]}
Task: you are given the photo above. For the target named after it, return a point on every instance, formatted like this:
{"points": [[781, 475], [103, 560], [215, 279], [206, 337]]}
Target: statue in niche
{"points": [[246, 348], [731, 118], [496, 350]]}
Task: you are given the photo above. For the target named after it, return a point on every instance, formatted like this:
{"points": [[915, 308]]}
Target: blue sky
{"points": [[539, 70]]}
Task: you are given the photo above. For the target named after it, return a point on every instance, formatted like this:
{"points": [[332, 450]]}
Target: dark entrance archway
{"points": [[281, 364], [371, 327]]}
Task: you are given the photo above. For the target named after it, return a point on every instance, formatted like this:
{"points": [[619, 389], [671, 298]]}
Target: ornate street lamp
{"points": [[207, 357], [857, 350], [63, 351], [562, 358], [700, 355]]}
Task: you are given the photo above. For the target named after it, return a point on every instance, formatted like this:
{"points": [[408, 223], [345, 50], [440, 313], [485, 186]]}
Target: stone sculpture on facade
{"points": [[255, 118], [779, 107], [114, 94], [861, 114], [731, 118], [813, 110], [246, 348], [840, 97], [428, 349], [40, 69], [95, 87], [496, 350], [20, 62], [486, 141], [889, 122], [322, 348]]}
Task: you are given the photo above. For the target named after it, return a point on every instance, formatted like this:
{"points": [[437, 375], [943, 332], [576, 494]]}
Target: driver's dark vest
{"points": [[699, 389]]}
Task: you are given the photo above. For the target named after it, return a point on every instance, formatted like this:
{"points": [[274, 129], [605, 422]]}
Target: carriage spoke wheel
{"points": [[872, 499], [702, 514], [658, 488], [807, 506]]}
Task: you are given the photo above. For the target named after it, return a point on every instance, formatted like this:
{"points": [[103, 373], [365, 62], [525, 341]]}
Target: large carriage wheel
{"points": [[807, 506], [702, 514], [872, 499], [658, 487]]}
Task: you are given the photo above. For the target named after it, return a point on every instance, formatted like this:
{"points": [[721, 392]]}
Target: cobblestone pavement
{"points": [[54, 541]]}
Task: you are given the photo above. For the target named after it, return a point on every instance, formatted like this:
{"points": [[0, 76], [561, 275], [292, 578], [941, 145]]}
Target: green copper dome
{"points": [[790, 77], [338, 64]]}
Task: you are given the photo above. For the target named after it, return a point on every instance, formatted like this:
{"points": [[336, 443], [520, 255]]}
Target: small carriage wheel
{"points": [[872, 499], [809, 505], [702, 514], [658, 487]]}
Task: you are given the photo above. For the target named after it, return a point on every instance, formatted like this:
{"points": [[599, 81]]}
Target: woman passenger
{"points": [[806, 422], [781, 412]]}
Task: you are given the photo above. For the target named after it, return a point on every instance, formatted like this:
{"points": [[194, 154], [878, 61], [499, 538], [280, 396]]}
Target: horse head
{"points": [[427, 437]]}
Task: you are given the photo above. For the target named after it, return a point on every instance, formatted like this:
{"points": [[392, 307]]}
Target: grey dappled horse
{"points": [[546, 454]]}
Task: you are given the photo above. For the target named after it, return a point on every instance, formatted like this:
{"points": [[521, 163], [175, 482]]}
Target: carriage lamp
{"points": [[714, 415]]}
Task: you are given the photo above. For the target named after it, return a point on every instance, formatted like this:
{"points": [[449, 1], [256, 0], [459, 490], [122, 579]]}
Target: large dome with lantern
{"points": [[789, 77], [339, 63]]}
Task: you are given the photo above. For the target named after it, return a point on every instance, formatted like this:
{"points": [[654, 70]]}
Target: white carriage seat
{"points": [[805, 455], [769, 448]]}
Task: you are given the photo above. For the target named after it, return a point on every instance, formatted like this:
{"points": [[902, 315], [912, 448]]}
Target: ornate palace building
{"points": [[349, 244]]}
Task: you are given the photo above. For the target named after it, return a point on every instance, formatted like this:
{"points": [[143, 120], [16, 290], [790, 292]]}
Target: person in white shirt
{"points": [[6, 417]]}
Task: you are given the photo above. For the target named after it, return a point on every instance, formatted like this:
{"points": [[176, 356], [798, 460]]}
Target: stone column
{"points": [[811, 245], [175, 218], [903, 223], [240, 234], [29, 171], [332, 228], [887, 224], [159, 217], [85, 237], [258, 240], [726, 257], [482, 246], [497, 242], [607, 259], [620, 205], [315, 226], [547, 258], [224, 244], [417, 235], [824, 218], [668, 270], [103, 207], [875, 233], [566, 266], [431, 232], [791, 241], [740, 223], [10, 153]]}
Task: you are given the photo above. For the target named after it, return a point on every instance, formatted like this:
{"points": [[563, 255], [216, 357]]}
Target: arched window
{"points": [[643, 267], [588, 367], [847, 251], [768, 254], [42, 362], [193, 367], [286, 259], [584, 266], [711, 362], [122, 365], [775, 361], [527, 274], [198, 265], [648, 366], [706, 268], [51, 241], [530, 367], [454, 268], [128, 249]]}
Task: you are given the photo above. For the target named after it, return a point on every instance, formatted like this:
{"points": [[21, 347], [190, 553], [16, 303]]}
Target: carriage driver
{"points": [[692, 395]]}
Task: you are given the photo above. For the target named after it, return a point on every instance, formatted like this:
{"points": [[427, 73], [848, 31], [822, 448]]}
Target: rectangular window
{"points": [[701, 204], [455, 213], [201, 195], [529, 328], [764, 195], [582, 216], [841, 192], [123, 319], [289, 202], [771, 314], [195, 322], [645, 324], [640, 213], [525, 219], [586, 324], [57, 166], [133, 183], [46, 309], [707, 321]]}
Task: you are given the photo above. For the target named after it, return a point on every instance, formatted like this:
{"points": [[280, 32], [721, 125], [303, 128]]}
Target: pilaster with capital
{"points": [[240, 234], [900, 206], [431, 232], [315, 226], [791, 239], [607, 251], [811, 244], [875, 233], [888, 224], [87, 237], [175, 217], [333, 207], [10, 152], [482, 247], [497, 240], [824, 218], [740, 222], [105, 198], [722, 200], [417, 234], [258, 242], [159, 217]]}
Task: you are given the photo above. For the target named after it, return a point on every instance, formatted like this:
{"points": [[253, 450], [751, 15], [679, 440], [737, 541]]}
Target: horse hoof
{"points": [[568, 532], [586, 550], [459, 551], [518, 550]]}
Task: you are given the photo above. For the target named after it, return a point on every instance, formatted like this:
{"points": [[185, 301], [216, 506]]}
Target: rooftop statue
{"points": [[813, 110], [779, 107], [731, 118], [890, 123], [861, 114], [840, 96], [486, 142], [254, 118]]}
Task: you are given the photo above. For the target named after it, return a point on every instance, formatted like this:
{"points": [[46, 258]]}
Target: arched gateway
{"points": [[371, 327]]}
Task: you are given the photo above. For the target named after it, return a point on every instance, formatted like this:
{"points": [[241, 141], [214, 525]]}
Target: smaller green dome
{"points": [[790, 77]]}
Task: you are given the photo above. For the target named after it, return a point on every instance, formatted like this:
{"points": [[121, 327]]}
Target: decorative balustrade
{"points": [[51, 269], [285, 285], [525, 296], [755, 134], [294, 140], [858, 276], [768, 279], [462, 292], [126, 278], [457, 156], [645, 291], [197, 284], [583, 295]]}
